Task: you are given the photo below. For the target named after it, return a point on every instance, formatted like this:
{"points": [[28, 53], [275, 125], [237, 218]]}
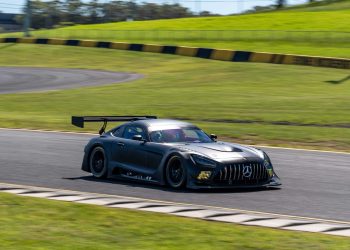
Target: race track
{"points": [[315, 184], [29, 79]]}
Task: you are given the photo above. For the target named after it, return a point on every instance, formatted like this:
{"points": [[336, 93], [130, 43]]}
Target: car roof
{"points": [[161, 123]]}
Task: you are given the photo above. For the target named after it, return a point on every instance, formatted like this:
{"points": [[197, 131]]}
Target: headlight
{"points": [[268, 165], [201, 160], [267, 161]]}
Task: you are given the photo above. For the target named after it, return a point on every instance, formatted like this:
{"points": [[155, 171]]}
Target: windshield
{"points": [[179, 135]]}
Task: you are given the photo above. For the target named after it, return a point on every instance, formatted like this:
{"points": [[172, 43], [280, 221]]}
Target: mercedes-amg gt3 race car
{"points": [[174, 153]]}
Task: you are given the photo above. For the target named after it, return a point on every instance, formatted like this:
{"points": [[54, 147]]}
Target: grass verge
{"points": [[262, 95], [33, 223]]}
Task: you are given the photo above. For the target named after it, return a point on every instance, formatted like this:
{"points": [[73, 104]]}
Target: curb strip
{"points": [[204, 53], [191, 211]]}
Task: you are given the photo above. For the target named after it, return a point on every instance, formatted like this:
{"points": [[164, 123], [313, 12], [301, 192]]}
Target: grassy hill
{"points": [[331, 17], [325, 5], [317, 29]]}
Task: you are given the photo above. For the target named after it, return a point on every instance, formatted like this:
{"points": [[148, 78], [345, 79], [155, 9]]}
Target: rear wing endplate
{"points": [[79, 121]]}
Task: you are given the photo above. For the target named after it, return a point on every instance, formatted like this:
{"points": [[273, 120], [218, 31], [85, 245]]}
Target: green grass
{"points": [[318, 29], [191, 88], [331, 17], [284, 20], [33, 223]]}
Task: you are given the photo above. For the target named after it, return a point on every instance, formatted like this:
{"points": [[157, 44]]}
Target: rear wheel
{"points": [[175, 172], [98, 162]]}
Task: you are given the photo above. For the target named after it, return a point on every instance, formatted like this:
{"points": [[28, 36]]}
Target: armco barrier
{"points": [[207, 53]]}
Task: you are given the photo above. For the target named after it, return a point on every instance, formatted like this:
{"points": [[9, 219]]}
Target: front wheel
{"points": [[175, 172], [98, 162]]}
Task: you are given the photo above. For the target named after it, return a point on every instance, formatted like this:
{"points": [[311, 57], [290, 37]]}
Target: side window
{"points": [[190, 133], [118, 132], [130, 131]]}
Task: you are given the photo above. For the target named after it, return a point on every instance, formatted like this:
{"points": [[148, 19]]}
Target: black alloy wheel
{"points": [[175, 172], [98, 163]]}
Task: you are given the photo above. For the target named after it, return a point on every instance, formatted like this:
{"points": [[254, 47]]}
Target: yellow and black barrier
{"points": [[206, 53]]}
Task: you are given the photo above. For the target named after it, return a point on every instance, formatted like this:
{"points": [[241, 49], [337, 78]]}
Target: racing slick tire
{"points": [[175, 172], [98, 163]]}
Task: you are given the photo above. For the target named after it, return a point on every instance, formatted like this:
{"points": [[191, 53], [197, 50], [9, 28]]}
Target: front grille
{"points": [[232, 174]]}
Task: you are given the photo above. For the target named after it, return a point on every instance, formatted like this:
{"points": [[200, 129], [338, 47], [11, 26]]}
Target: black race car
{"points": [[174, 153]]}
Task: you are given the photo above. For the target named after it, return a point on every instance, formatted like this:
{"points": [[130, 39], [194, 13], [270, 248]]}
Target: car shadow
{"points": [[135, 183], [339, 81]]}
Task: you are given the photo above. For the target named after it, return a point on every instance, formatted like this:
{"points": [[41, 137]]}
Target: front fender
{"points": [[161, 169]]}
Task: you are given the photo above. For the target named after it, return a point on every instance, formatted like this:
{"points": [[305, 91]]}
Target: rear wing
{"points": [[79, 121]]}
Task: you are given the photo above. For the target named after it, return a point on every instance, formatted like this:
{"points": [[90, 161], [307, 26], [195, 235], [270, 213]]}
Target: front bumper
{"points": [[230, 176], [194, 184]]}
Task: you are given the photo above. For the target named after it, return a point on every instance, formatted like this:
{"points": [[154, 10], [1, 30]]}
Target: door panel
{"points": [[135, 154], [155, 154], [118, 151]]}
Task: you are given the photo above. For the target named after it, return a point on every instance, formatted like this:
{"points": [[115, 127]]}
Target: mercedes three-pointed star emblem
{"points": [[247, 171]]}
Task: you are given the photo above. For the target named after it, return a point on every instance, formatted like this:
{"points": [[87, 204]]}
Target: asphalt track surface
{"points": [[315, 184], [29, 79]]}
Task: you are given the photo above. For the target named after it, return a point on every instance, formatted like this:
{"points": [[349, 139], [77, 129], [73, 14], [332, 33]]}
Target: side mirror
{"points": [[137, 138], [213, 137]]}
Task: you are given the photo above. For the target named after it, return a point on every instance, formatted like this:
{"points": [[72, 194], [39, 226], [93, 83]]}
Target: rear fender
{"points": [[88, 149]]}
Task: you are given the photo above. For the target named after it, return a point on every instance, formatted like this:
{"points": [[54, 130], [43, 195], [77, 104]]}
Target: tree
{"points": [[49, 14], [94, 10], [73, 11], [54, 13], [280, 4], [114, 11]]}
